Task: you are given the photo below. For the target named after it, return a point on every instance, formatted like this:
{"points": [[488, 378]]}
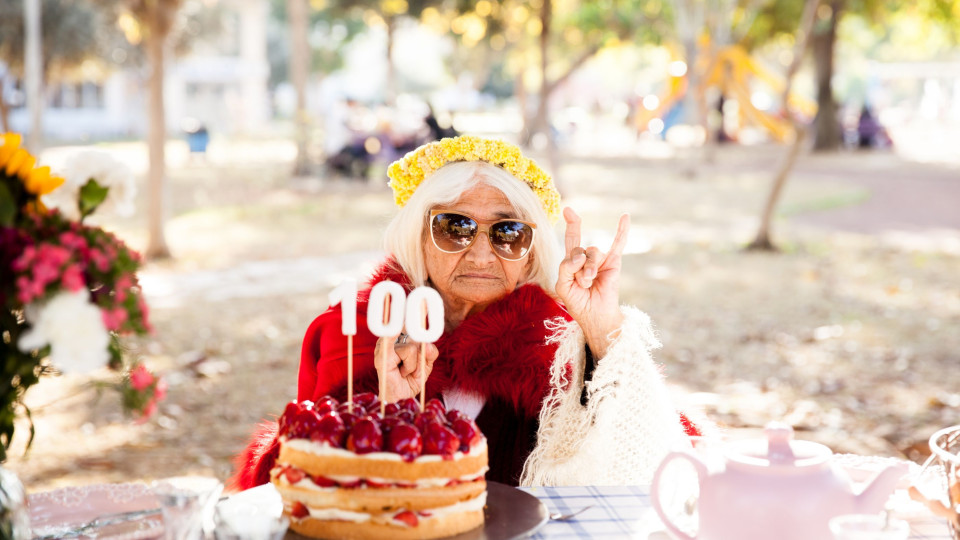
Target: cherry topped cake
{"points": [[409, 474]]}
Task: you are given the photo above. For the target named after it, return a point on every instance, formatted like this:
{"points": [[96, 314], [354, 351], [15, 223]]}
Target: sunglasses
{"points": [[453, 232]]}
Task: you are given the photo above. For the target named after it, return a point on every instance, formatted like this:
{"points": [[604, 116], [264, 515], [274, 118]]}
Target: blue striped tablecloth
{"points": [[626, 512]]}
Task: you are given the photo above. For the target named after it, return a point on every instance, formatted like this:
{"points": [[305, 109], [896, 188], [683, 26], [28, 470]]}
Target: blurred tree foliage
{"points": [[328, 33], [85, 40], [539, 44], [885, 17], [75, 33]]}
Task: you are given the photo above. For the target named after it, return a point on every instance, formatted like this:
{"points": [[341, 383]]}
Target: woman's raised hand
{"points": [[589, 283], [403, 366]]}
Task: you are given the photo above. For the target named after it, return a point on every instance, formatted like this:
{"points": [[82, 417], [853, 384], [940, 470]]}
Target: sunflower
{"points": [[18, 165]]}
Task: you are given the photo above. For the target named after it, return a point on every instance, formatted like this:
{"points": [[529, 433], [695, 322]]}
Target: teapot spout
{"points": [[874, 497]]}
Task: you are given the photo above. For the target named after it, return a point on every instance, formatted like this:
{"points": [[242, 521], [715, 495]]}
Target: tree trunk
{"points": [[539, 122], [520, 92], [692, 157], [762, 241], [297, 13], [156, 136], [4, 115], [391, 80], [827, 133], [33, 72]]}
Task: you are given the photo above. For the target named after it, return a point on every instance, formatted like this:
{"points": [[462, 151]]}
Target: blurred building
{"points": [[221, 84]]}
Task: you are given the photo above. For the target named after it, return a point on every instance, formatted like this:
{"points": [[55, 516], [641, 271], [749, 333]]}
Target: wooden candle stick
{"points": [[423, 362], [383, 362], [385, 315], [346, 296], [424, 325]]}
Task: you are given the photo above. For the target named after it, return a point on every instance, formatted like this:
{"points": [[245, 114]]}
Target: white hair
{"points": [[406, 234]]}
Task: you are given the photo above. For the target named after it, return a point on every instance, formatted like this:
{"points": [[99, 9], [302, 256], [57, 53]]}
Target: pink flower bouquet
{"points": [[68, 289]]}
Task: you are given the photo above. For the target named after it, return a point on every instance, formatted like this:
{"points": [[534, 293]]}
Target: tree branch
{"points": [[804, 31], [581, 60]]}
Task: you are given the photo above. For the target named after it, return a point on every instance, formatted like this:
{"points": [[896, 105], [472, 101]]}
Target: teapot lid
{"points": [[779, 451]]}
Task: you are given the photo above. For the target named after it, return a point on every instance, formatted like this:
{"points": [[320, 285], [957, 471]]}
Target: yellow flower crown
{"points": [[407, 173]]}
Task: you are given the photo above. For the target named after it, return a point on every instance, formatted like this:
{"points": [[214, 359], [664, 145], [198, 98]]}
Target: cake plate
{"points": [[509, 514]]}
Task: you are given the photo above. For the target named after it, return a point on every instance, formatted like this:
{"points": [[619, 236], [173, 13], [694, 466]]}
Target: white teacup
{"points": [[868, 527]]}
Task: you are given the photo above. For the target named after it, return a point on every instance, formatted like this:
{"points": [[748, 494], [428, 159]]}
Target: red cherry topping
{"points": [[306, 405], [405, 440], [325, 404], [438, 439], [453, 414], [299, 510], [365, 399], [348, 419], [304, 423], [407, 517], [409, 404], [468, 432], [437, 405], [388, 423], [330, 430], [428, 416], [391, 409], [294, 474], [365, 437], [286, 418]]}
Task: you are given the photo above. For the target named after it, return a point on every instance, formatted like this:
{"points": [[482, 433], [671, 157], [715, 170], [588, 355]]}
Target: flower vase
{"points": [[14, 517]]}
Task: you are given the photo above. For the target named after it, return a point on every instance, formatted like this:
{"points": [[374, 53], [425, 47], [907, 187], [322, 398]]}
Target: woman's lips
{"points": [[478, 276]]}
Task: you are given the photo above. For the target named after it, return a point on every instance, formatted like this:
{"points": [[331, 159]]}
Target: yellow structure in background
{"points": [[731, 69]]}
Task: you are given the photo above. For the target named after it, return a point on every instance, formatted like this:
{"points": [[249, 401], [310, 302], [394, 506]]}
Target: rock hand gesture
{"points": [[589, 283]]}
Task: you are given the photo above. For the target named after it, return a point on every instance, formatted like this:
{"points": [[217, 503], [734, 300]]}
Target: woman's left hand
{"points": [[589, 283]]}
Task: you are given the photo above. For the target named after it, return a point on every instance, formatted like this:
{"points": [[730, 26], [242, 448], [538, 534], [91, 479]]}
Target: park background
{"points": [[833, 305]]}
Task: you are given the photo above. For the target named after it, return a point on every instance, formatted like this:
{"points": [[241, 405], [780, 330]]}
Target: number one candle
{"points": [[346, 296]]}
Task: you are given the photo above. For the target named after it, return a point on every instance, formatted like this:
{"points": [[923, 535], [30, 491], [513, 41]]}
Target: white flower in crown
{"points": [[107, 172], [74, 329]]}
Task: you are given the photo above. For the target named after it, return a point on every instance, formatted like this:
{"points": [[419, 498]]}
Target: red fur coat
{"points": [[500, 354]]}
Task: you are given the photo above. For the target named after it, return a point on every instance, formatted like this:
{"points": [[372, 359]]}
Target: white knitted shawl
{"points": [[629, 423]]}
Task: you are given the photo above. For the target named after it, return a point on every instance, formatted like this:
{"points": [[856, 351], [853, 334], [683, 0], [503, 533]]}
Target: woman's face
{"points": [[475, 277]]}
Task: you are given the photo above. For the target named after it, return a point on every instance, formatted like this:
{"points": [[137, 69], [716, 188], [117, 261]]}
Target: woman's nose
{"points": [[481, 252]]}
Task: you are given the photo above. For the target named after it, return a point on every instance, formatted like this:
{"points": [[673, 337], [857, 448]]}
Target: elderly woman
{"points": [[536, 347]]}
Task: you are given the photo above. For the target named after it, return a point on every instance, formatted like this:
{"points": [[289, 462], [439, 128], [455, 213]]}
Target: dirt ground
{"points": [[851, 333]]}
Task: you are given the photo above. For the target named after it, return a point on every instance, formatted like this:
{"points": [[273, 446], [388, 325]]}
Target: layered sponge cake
{"points": [[355, 475]]}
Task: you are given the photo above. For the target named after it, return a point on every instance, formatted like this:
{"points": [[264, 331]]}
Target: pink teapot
{"points": [[775, 488]]}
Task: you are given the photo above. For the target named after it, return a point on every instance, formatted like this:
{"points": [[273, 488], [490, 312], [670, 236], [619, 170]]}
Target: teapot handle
{"points": [[655, 489]]}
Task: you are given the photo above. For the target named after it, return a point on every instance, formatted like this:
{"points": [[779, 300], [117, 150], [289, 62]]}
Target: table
{"points": [[617, 512], [626, 512]]}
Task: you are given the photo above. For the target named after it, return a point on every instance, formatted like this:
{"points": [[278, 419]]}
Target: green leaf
{"points": [[33, 429], [92, 195], [8, 208]]}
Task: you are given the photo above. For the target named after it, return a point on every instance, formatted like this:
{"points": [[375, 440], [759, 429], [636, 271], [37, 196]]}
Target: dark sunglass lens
{"points": [[453, 232], [511, 238]]}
